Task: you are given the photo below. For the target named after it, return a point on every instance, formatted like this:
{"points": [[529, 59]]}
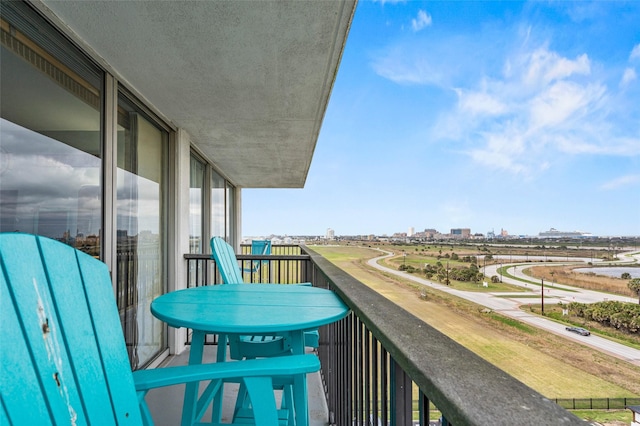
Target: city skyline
{"points": [[482, 115], [453, 233]]}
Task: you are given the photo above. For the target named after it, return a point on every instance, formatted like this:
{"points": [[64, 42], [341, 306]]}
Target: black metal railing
{"points": [[596, 403], [286, 265], [383, 366]]}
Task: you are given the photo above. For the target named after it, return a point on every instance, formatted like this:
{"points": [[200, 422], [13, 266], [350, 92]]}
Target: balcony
{"points": [[381, 365]]}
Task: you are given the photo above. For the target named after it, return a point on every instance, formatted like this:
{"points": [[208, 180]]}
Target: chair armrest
{"points": [[276, 366]]}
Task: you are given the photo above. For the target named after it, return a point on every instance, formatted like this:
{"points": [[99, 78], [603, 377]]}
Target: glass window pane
{"points": [[230, 212], [196, 205], [50, 134], [218, 207], [141, 230]]}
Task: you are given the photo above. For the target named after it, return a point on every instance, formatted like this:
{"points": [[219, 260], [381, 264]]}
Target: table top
{"points": [[249, 308]]}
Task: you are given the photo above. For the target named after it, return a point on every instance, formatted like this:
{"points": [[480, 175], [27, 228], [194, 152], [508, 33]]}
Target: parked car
{"points": [[581, 331]]}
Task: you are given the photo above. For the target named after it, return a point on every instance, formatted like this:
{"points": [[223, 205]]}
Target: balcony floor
{"points": [[166, 403]]}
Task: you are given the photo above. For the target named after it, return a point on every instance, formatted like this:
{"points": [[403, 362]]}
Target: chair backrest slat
{"points": [[70, 334], [227, 262], [261, 247], [18, 375]]}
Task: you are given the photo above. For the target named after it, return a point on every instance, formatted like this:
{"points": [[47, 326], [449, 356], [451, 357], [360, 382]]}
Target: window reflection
{"points": [[196, 205], [50, 138], [218, 207], [229, 212], [141, 229]]}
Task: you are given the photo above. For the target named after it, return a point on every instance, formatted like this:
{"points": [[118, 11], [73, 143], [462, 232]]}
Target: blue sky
{"points": [[485, 115]]}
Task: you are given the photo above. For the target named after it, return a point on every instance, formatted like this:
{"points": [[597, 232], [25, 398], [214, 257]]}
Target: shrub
{"points": [[620, 315]]}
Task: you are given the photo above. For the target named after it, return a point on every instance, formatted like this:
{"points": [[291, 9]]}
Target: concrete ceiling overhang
{"points": [[248, 80]]}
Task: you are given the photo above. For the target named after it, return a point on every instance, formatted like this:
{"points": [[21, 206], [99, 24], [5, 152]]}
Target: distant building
{"points": [[427, 234], [411, 231], [331, 234], [554, 233], [461, 233]]}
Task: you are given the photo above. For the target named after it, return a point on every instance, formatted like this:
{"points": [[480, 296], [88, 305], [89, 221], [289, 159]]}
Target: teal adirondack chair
{"points": [[251, 346], [64, 359], [259, 247]]}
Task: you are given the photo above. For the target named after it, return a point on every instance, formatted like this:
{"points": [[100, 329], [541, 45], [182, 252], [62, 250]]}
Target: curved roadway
{"points": [[509, 304]]}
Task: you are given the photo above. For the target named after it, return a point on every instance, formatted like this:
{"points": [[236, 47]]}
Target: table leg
{"points": [[191, 389], [300, 397], [221, 356]]}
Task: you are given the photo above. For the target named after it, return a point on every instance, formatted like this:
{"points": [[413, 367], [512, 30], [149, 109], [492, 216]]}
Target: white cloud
{"points": [[544, 106], [423, 20], [544, 67], [562, 101], [628, 76], [520, 106], [480, 103], [502, 150], [620, 182], [635, 52], [397, 67]]}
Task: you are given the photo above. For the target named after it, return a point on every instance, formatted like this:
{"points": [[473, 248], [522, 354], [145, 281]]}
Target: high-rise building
{"points": [[331, 235]]}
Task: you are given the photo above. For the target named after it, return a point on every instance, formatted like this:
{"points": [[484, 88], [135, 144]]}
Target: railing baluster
{"points": [[401, 402], [374, 379], [384, 386], [423, 409], [367, 378]]}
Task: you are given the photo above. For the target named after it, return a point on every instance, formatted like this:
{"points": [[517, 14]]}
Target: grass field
{"points": [[554, 366]]}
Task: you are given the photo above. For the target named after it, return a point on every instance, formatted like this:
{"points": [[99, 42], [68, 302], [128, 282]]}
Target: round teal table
{"points": [[248, 309]]}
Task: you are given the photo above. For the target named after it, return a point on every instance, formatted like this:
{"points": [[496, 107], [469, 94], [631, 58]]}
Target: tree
{"points": [[634, 285], [625, 276]]}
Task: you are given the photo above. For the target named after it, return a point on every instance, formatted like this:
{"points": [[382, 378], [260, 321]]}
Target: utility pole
{"points": [[447, 272], [542, 295]]}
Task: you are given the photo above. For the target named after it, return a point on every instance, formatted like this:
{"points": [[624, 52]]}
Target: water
{"points": [[616, 271]]}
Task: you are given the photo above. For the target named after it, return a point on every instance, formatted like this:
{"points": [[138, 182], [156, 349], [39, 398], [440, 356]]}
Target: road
{"points": [[509, 304]]}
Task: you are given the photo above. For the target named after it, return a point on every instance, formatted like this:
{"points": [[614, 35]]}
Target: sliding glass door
{"points": [[141, 228]]}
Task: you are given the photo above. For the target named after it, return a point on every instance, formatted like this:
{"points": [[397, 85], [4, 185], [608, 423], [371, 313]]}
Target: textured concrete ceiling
{"points": [[248, 80]]}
